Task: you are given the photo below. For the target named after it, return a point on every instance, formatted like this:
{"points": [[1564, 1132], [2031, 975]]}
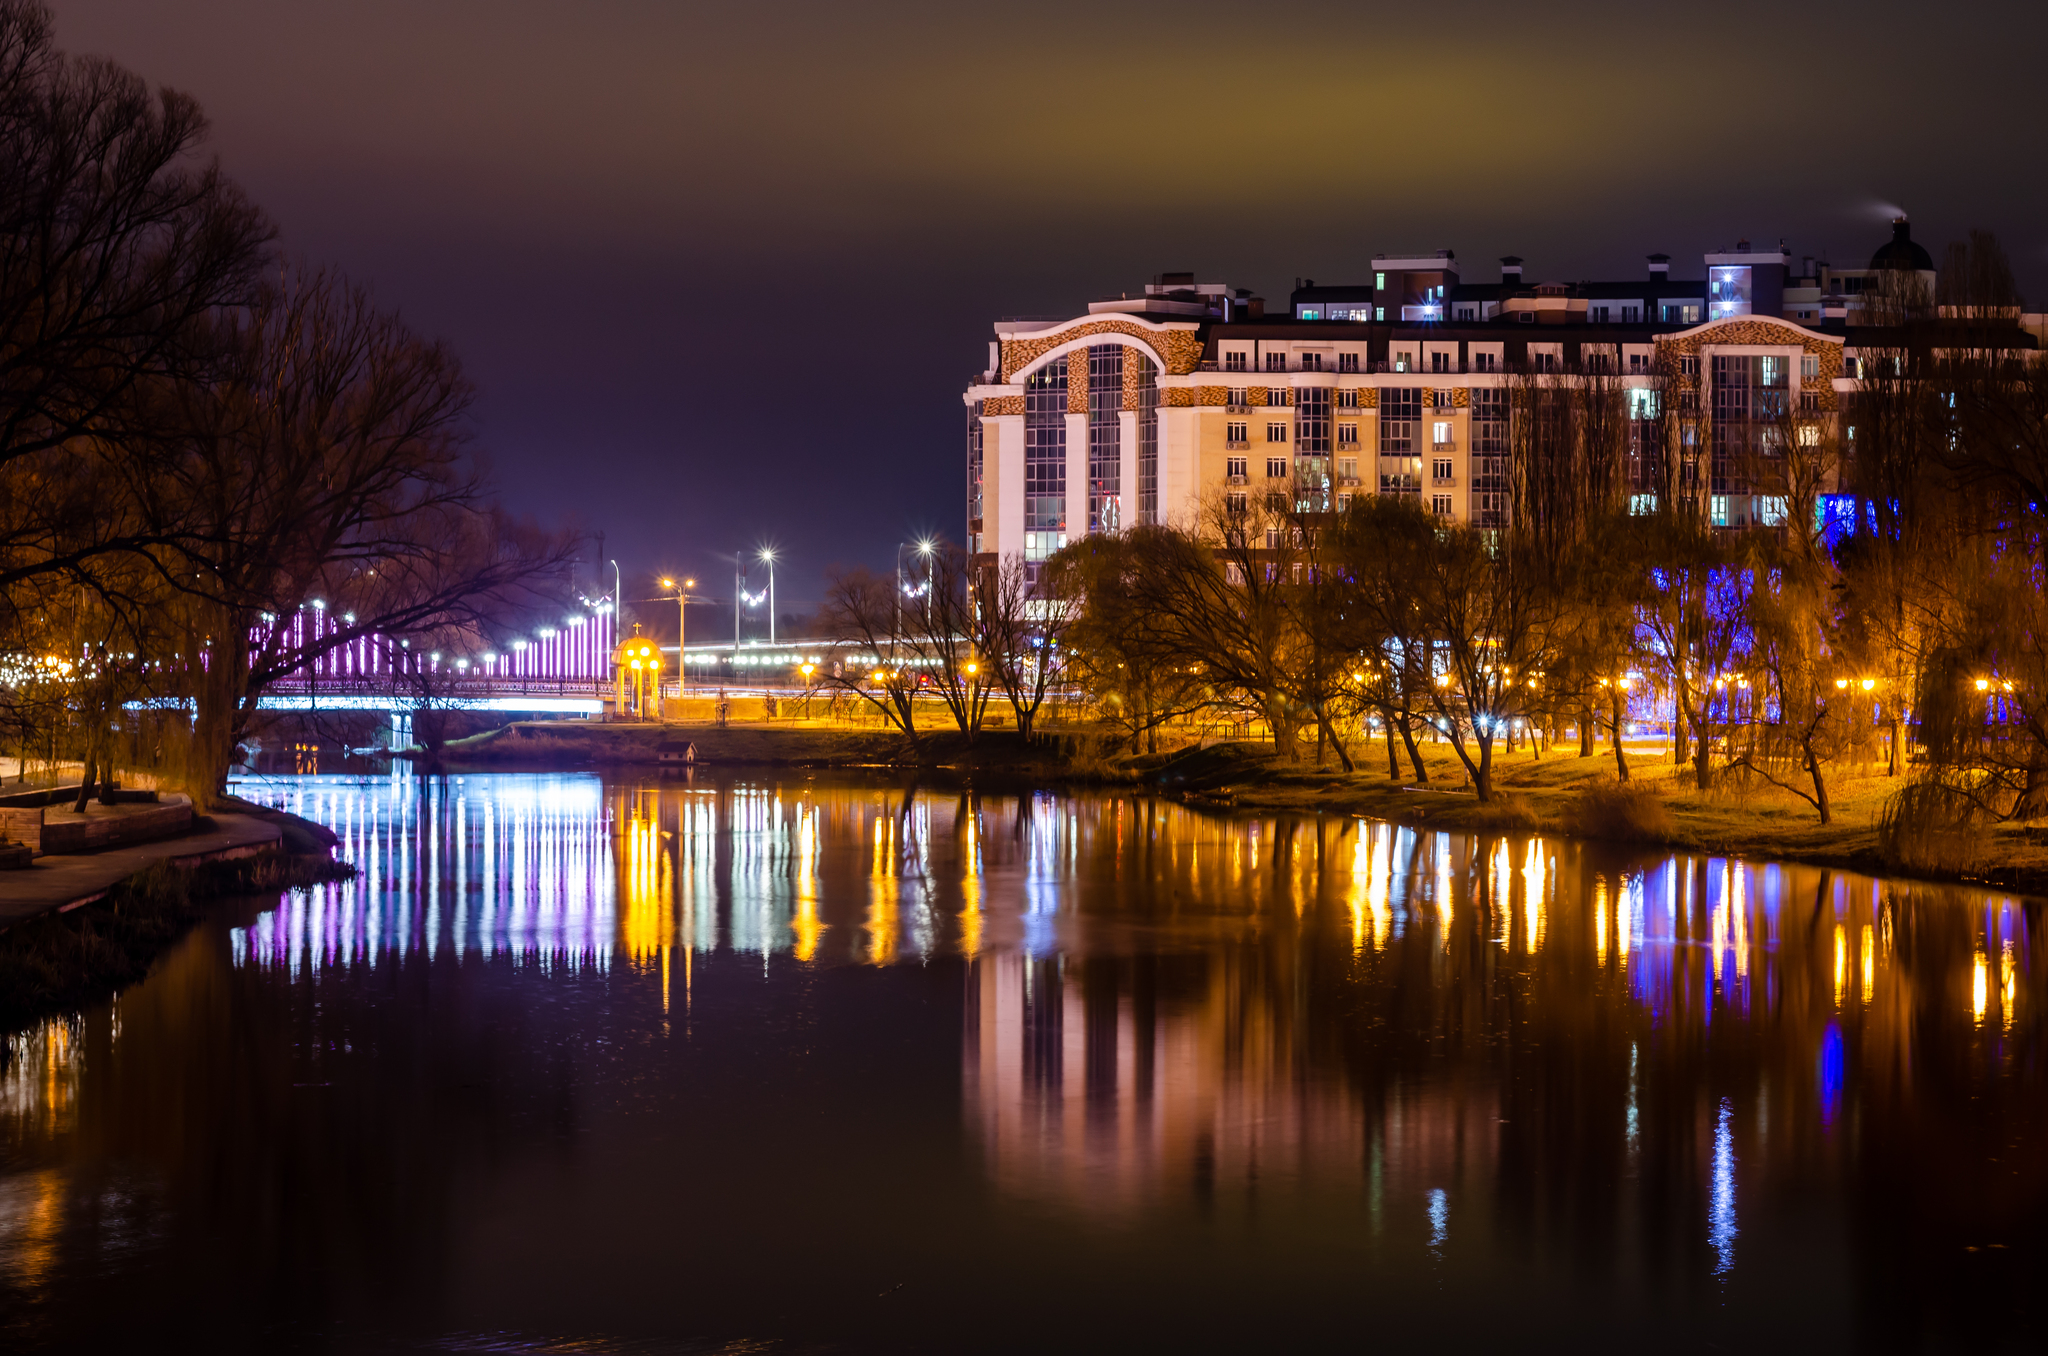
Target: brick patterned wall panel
{"points": [[1212, 395], [1177, 397], [1762, 330], [1461, 398], [1181, 349], [1077, 381], [995, 405]]}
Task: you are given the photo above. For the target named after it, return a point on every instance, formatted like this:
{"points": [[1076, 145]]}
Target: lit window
{"points": [[1440, 432]]}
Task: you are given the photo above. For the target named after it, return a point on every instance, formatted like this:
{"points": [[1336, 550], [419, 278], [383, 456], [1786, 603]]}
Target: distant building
{"points": [[1146, 407]]}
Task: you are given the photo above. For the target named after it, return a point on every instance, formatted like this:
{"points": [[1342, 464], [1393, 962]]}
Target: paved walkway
{"points": [[64, 882]]}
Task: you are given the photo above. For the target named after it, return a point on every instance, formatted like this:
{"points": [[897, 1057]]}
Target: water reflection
{"points": [[1636, 1086]]}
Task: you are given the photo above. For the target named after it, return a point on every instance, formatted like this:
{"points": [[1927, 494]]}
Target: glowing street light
{"points": [[767, 557], [682, 591]]}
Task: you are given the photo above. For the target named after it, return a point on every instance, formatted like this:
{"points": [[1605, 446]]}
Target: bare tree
{"points": [[864, 615], [1021, 622], [120, 249], [326, 461]]}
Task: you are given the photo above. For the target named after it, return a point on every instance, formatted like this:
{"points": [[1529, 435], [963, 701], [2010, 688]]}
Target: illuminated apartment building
{"points": [[1147, 408]]}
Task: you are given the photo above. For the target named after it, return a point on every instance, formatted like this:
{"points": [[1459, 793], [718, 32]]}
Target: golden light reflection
{"points": [[1444, 889], [971, 920], [2005, 985], [1361, 889], [1503, 873], [1600, 921], [1740, 906], [644, 929], [1534, 881], [1869, 954], [882, 920], [1379, 877], [1980, 987], [1841, 963], [806, 924]]}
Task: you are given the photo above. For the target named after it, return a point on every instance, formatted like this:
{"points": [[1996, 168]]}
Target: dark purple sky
{"points": [[721, 271]]}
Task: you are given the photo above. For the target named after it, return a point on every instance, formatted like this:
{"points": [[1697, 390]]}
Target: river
{"points": [[809, 1064]]}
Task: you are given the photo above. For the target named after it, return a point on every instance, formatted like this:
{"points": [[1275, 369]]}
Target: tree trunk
{"points": [[1620, 754], [1678, 744], [1703, 753], [1414, 754], [85, 778], [1393, 757], [1894, 755], [1587, 719], [1482, 768], [1820, 785], [1326, 728]]}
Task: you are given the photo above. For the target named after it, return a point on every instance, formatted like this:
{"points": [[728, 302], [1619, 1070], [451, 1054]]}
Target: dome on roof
{"points": [[1901, 252]]}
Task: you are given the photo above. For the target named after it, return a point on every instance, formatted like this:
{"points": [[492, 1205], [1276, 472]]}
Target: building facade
{"points": [[1146, 409]]}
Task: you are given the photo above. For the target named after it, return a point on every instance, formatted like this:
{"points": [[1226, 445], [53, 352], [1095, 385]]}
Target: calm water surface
{"points": [[823, 1065]]}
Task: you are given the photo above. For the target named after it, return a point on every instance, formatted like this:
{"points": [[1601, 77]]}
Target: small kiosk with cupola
{"points": [[636, 679]]}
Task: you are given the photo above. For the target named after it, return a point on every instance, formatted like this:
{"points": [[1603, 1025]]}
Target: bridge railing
{"points": [[442, 687]]}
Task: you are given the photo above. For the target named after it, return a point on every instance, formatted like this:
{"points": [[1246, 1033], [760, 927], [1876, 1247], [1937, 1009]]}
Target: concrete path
{"points": [[64, 882]]}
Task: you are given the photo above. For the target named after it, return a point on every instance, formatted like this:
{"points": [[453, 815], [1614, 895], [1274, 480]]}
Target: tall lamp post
{"points": [[682, 631], [768, 557]]}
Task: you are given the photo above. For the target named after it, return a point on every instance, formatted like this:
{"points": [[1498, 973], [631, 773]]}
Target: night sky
{"points": [[720, 272]]}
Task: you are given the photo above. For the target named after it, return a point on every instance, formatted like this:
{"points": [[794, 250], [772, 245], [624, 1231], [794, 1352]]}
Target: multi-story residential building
{"points": [[1145, 408]]}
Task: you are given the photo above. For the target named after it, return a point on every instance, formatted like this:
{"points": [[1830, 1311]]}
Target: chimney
{"points": [[1660, 268], [1511, 268]]}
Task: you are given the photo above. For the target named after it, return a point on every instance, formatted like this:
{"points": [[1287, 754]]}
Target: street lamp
{"points": [[768, 557], [682, 631]]}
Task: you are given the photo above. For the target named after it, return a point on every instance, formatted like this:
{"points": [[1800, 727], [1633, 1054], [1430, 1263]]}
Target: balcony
{"points": [[1238, 445], [1443, 482], [1447, 445], [1348, 482]]}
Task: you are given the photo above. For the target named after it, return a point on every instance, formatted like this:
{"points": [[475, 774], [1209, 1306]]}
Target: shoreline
{"points": [[1533, 794], [100, 930]]}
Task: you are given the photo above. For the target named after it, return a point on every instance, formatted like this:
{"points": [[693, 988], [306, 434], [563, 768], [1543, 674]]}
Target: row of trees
{"points": [[1883, 590], [198, 437]]}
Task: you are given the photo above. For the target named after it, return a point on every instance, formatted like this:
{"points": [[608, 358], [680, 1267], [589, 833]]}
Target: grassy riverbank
{"points": [[1559, 792]]}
